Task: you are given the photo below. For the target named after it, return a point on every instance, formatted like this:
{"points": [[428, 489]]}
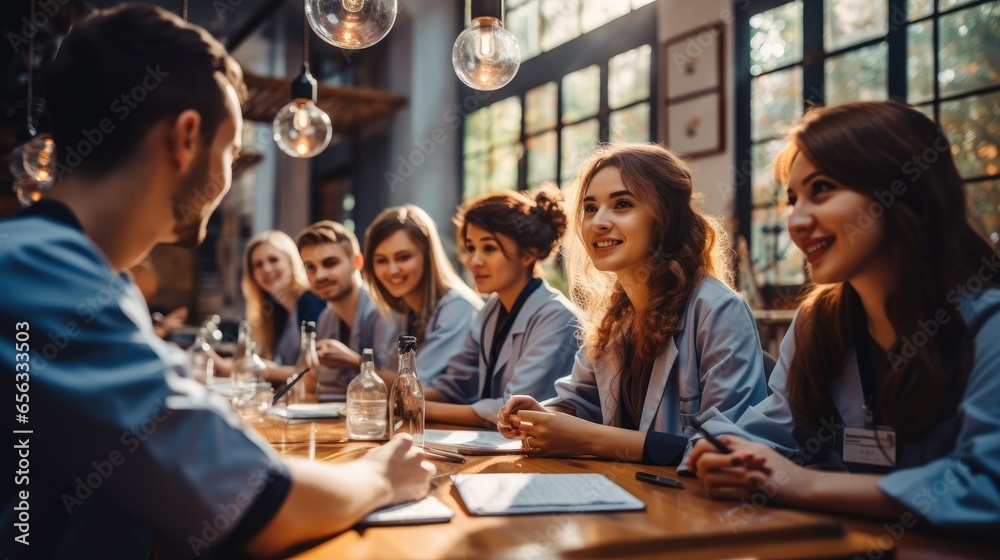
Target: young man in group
{"points": [[351, 322], [124, 457]]}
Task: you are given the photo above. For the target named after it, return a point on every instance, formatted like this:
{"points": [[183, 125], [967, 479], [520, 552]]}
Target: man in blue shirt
{"points": [[119, 452]]}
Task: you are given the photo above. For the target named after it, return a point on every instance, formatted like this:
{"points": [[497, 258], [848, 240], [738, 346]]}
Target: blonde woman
{"points": [[665, 338], [408, 272], [277, 300]]}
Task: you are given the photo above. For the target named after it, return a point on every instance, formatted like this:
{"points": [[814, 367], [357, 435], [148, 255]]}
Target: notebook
{"points": [[471, 442], [519, 493], [306, 411], [426, 511]]}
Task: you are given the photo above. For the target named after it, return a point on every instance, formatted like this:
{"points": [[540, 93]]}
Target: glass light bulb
{"points": [[28, 190], [301, 129], [486, 56], [38, 158], [351, 24]]}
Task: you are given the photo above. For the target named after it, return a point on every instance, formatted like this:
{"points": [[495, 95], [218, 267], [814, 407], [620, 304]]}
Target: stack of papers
{"points": [[471, 442], [426, 511], [516, 493], [305, 411]]}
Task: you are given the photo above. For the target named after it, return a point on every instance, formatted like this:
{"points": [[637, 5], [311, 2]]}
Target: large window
{"points": [[939, 56], [541, 126]]}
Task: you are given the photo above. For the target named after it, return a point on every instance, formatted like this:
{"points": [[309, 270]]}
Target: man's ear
{"points": [[183, 138], [359, 261]]}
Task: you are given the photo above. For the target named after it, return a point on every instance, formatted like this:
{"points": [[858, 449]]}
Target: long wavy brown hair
{"points": [[875, 148], [266, 316], [687, 247]]}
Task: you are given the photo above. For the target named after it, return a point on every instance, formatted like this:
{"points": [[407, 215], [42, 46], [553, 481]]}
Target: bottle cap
{"points": [[407, 343]]}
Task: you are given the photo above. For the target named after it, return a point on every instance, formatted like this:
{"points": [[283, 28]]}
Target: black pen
{"points": [[659, 480], [710, 438], [281, 392]]}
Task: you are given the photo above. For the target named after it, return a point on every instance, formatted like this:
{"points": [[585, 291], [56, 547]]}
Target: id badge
{"points": [[870, 447]]}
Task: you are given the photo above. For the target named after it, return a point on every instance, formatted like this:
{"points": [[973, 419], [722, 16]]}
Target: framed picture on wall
{"points": [[695, 127], [694, 61]]}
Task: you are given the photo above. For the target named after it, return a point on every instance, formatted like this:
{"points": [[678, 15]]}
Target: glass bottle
{"points": [[366, 401], [202, 364], [249, 375], [406, 401], [306, 390]]}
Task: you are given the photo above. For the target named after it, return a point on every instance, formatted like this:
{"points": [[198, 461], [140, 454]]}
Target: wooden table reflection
{"points": [[679, 523]]}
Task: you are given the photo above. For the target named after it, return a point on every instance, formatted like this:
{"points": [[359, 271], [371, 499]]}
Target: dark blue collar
{"points": [[51, 210]]}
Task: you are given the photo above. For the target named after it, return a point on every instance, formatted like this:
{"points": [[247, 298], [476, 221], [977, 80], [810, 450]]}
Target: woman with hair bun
{"points": [[526, 335], [666, 341]]}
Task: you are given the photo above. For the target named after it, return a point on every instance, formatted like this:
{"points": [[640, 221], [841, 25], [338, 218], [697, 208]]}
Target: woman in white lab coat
{"points": [[525, 338], [408, 272], [891, 369], [665, 338]]}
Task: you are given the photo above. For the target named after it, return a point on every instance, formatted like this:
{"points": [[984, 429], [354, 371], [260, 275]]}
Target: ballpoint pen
{"points": [[721, 447], [446, 455], [281, 392]]}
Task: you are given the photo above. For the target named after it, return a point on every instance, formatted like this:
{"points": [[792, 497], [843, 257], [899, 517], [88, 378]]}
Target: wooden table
{"points": [[680, 523]]}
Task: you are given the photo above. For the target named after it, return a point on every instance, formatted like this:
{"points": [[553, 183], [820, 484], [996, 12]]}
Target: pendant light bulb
{"points": [[38, 158], [351, 24], [301, 129], [486, 56]]}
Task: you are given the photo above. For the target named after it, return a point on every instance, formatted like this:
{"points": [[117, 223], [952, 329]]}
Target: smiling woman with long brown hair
{"points": [[665, 338], [891, 369]]}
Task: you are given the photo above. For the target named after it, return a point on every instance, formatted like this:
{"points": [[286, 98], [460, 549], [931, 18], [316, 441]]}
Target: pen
{"points": [[281, 392], [446, 455], [710, 438], [659, 480]]}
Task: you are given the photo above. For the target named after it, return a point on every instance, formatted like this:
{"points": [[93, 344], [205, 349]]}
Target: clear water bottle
{"points": [[366, 402], [306, 390], [202, 364], [406, 401], [248, 369]]}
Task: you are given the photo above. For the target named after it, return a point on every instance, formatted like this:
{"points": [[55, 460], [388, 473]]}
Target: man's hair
{"points": [[124, 70], [328, 231]]}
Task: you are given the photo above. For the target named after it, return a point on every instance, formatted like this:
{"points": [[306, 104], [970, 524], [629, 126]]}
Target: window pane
{"points": [[560, 22], [765, 190], [973, 127], [542, 158], [970, 41], [776, 38], [927, 109], [628, 76], [858, 75], [523, 23], [540, 108], [630, 125], [503, 174], [984, 208], [578, 141], [947, 4], [640, 3], [476, 138], [775, 259], [581, 94], [505, 122], [919, 8], [598, 12], [920, 62], [775, 102], [476, 171], [849, 22]]}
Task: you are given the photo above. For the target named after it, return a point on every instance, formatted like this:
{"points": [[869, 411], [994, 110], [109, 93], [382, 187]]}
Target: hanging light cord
{"points": [[184, 10], [305, 40], [31, 63]]}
